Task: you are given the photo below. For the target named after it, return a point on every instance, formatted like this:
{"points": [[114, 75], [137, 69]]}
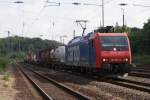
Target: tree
{"points": [[146, 29], [26, 44]]}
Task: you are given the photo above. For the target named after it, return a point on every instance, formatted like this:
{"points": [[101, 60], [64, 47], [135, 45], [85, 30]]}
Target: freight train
{"points": [[97, 52]]}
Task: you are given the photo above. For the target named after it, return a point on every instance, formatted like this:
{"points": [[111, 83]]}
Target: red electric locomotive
{"points": [[100, 51], [113, 52]]}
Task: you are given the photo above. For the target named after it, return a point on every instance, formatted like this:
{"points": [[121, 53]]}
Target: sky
{"points": [[37, 18]]}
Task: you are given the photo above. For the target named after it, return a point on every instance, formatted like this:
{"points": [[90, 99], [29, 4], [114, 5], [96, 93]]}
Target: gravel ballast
{"points": [[95, 89]]}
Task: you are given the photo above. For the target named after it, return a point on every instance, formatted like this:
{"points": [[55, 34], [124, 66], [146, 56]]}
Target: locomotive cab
{"points": [[100, 51], [113, 52]]}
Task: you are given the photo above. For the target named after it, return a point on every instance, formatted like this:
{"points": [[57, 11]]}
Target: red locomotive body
{"points": [[112, 50]]}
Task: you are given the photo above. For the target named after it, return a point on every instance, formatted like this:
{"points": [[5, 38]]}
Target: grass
{"points": [[10, 58], [7, 79], [141, 59], [3, 62], [6, 76]]}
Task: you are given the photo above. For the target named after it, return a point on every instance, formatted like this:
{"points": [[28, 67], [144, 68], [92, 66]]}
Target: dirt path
{"points": [[17, 88], [7, 92]]}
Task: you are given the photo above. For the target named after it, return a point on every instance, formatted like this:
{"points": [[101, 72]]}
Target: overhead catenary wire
{"points": [[63, 18], [108, 2], [142, 6], [38, 15], [57, 17], [44, 6], [139, 5]]}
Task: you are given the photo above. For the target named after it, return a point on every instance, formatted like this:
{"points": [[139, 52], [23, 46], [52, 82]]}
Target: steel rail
{"points": [[62, 86], [116, 81], [133, 82], [130, 84], [145, 87], [140, 74], [40, 90], [141, 70]]}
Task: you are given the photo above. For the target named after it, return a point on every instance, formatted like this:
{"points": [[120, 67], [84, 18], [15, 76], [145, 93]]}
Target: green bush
{"points": [[6, 77], [3, 62], [141, 59]]}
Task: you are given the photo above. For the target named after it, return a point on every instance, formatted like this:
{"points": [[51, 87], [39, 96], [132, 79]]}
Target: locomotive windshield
{"points": [[114, 43]]}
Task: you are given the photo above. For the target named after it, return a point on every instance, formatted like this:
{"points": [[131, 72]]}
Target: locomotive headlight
{"points": [[126, 59], [104, 60]]}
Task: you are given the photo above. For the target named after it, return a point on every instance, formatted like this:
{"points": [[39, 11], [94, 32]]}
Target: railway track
{"points": [[142, 70], [141, 86], [68, 92], [128, 83], [140, 74], [41, 91]]}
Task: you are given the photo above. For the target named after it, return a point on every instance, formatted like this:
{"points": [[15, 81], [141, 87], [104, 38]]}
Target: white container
{"points": [[59, 54]]}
